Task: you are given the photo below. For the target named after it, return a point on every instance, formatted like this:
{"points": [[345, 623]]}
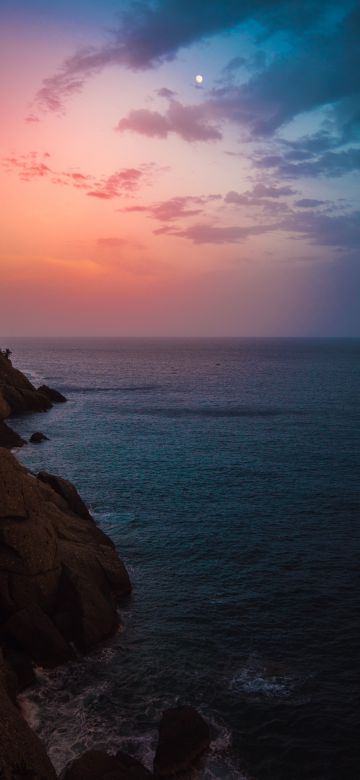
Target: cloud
{"points": [[203, 233], [150, 33], [340, 232], [123, 182], [329, 164], [320, 70], [309, 203], [258, 196], [176, 208], [234, 64], [189, 122], [28, 167]]}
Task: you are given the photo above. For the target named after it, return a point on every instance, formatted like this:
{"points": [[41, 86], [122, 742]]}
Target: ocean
{"points": [[227, 471]]}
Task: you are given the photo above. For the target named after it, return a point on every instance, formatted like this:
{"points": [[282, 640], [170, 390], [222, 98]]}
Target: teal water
{"points": [[227, 473]]}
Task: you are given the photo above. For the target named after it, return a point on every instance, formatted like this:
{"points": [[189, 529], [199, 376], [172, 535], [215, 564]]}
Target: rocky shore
{"points": [[61, 584]]}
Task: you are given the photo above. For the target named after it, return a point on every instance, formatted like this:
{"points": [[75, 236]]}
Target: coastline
{"points": [[77, 582]]}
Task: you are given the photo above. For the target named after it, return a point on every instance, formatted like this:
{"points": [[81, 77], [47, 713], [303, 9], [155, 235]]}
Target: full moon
{"points": [[199, 78]]}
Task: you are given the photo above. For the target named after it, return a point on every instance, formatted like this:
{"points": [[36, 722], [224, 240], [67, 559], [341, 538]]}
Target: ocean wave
{"points": [[261, 682], [116, 389]]}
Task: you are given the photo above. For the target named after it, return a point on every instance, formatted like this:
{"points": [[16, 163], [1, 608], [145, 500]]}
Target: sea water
{"points": [[227, 472]]}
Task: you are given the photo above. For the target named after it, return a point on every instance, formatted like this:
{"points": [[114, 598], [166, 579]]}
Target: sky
{"points": [[137, 201]]}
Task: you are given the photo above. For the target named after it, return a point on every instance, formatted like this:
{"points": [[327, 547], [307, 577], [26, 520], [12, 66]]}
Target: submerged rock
{"points": [[38, 437], [53, 395], [183, 736]]}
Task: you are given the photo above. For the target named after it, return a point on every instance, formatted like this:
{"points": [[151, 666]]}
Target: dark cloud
{"points": [[189, 122], [234, 64], [152, 32], [330, 164], [340, 232], [322, 70]]}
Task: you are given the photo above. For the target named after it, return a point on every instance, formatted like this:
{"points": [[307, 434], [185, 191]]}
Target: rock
{"points": [[17, 394], [8, 679], [67, 491], [86, 613], [9, 438], [5, 409], [53, 395], [183, 736], [22, 667], [21, 752], [55, 559], [96, 765], [34, 633], [93, 765], [38, 437], [132, 769]]}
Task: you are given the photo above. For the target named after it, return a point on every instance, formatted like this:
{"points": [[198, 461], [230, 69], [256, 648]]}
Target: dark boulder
{"points": [[92, 765], [9, 438], [85, 612], [97, 765], [68, 492], [55, 559], [183, 736], [21, 665], [35, 634], [38, 437], [8, 678], [131, 768], [53, 395]]}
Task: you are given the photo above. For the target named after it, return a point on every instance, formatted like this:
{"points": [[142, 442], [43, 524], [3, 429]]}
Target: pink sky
{"points": [[129, 212]]}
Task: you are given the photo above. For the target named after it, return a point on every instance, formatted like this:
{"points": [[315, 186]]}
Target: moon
{"points": [[199, 78]]}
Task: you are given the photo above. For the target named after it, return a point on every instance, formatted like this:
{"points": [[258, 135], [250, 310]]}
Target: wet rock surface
{"points": [[9, 438], [53, 395], [38, 437], [61, 581], [183, 737], [97, 765]]}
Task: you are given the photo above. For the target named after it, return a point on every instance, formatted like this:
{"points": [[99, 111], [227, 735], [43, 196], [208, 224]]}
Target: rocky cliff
{"points": [[60, 585], [61, 582], [19, 396], [61, 579]]}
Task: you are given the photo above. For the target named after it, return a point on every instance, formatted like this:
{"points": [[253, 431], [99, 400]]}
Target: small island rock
{"points": [[38, 437]]}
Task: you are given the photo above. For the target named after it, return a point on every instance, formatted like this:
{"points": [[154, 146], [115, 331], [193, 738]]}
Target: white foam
{"points": [[258, 681]]}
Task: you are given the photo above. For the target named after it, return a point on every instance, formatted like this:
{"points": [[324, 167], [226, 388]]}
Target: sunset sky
{"points": [[138, 202]]}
